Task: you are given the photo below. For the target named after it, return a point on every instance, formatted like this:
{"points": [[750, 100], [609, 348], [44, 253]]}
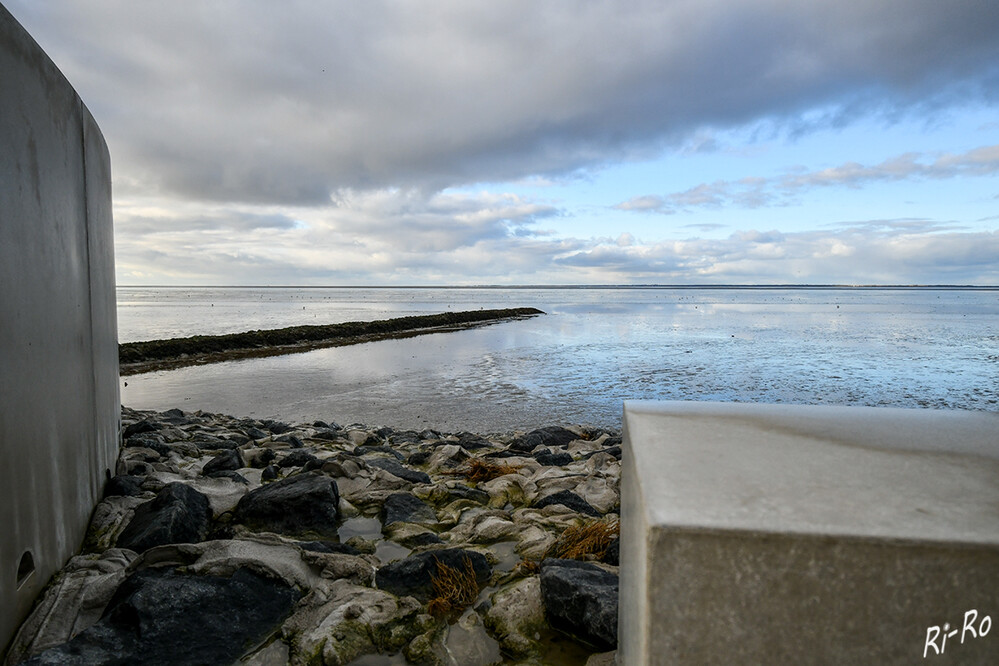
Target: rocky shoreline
{"points": [[138, 357], [224, 540]]}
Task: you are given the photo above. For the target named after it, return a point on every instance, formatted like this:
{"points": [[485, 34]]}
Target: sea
{"points": [[596, 347]]}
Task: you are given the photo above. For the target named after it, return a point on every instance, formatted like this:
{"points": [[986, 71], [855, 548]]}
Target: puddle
{"points": [[370, 529], [389, 551], [505, 552], [366, 528]]}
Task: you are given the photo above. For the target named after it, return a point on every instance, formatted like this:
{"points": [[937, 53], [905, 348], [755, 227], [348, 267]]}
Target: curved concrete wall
{"points": [[59, 404]]}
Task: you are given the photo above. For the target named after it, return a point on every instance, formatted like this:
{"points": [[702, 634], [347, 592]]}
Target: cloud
{"points": [[291, 103], [757, 192]]}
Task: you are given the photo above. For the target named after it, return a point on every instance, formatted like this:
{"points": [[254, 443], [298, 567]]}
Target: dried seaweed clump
{"points": [[478, 469], [591, 538], [454, 589]]}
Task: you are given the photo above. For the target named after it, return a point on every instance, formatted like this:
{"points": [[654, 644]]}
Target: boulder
{"points": [[399, 470], [159, 616], [297, 458], [124, 485], [581, 598], [299, 504], [516, 616], [228, 460], [569, 499], [406, 508], [413, 576], [550, 436], [178, 514], [551, 459]]}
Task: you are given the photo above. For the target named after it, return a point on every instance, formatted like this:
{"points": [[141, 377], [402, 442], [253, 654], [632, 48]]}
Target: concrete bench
{"points": [[772, 534]]}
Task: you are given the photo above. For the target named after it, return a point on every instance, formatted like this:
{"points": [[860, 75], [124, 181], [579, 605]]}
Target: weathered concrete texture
{"points": [[58, 341], [796, 535]]}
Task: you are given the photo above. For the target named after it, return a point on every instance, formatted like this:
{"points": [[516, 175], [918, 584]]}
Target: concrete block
{"points": [[59, 406], [773, 534]]}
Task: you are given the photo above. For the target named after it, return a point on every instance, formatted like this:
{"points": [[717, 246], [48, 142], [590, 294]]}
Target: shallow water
{"points": [[594, 349]]}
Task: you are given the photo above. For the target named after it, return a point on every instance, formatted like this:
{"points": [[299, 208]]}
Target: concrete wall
{"points": [[778, 534], [59, 405]]}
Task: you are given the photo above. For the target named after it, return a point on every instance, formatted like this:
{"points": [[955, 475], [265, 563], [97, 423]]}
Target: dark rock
{"points": [[297, 458], [406, 508], [292, 440], [507, 453], [430, 434], [392, 467], [178, 514], [276, 427], [614, 451], [613, 552], [418, 458], [227, 460], [146, 441], [299, 504], [229, 474], [413, 575], [238, 438], [405, 437], [136, 468], [210, 442], [138, 427], [256, 433], [581, 598], [550, 436], [381, 448], [160, 617], [611, 442], [124, 484], [327, 435], [328, 547], [472, 442], [320, 424], [270, 473], [569, 499], [550, 459], [264, 459], [464, 492]]}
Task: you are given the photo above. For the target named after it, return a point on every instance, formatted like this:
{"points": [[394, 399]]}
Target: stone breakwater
{"points": [[137, 357], [224, 540]]}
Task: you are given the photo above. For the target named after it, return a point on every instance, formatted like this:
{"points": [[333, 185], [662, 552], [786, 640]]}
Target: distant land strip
{"points": [[138, 357]]}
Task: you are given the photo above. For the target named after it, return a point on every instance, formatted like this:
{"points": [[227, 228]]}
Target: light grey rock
{"points": [[517, 617]]}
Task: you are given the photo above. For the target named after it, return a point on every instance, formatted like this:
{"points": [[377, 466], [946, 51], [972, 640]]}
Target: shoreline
{"points": [[421, 547], [152, 355]]}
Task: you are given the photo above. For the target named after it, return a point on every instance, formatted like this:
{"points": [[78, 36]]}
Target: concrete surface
{"points": [[59, 408], [798, 535]]}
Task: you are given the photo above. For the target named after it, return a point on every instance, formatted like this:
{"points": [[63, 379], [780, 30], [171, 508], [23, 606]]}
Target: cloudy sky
{"points": [[556, 142]]}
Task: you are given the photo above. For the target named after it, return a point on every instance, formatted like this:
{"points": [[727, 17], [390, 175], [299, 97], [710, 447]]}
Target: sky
{"points": [[395, 142]]}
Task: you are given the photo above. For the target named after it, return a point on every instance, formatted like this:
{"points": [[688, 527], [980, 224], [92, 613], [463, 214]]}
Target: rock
{"points": [[178, 514], [110, 517], [461, 491], [550, 436], [447, 457], [72, 602], [413, 575], [229, 460], [158, 616], [270, 473], [472, 442], [256, 433], [613, 553], [548, 458], [517, 614], [298, 504], [404, 507], [291, 440], [569, 499], [328, 547], [231, 475], [603, 659], [349, 621], [297, 458], [139, 427], [124, 485], [276, 427], [614, 451], [381, 448], [396, 469], [581, 598]]}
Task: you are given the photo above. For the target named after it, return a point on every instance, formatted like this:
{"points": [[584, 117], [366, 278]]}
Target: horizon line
{"points": [[651, 285]]}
